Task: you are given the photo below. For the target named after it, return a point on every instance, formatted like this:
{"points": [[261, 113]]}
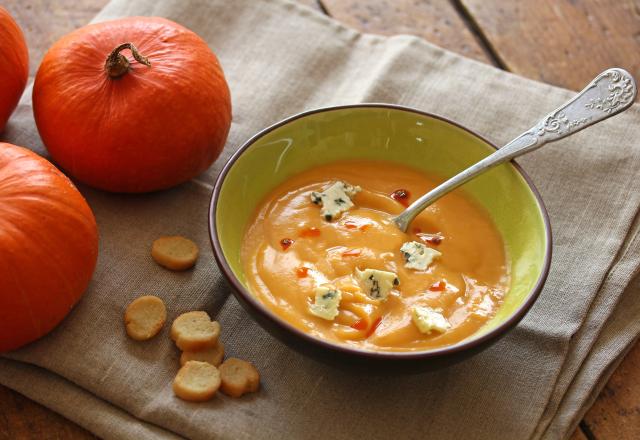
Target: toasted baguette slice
{"points": [[212, 355], [238, 377], [196, 381], [145, 317], [175, 253], [193, 331]]}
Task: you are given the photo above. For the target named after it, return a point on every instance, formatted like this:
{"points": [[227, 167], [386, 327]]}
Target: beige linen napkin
{"points": [[281, 58]]}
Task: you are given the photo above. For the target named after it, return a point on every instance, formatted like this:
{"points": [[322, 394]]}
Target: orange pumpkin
{"points": [[132, 124], [48, 246], [14, 59]]}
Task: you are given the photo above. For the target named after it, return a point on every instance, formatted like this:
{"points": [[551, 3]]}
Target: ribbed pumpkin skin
{"points": [[48, 246], [150, 129], [14, 66]]}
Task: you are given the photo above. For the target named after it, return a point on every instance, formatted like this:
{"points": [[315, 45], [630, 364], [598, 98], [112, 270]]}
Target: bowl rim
{"points": [[459, 347]]}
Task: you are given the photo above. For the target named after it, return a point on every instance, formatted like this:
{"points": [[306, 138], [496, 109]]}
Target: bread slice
{"points": [[194, 331], [175, 252], [212, 355], [196, 381], [145, 317], [238, 377]]}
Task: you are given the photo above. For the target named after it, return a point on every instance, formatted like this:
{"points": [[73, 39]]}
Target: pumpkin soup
{"points": [[323, 254]]}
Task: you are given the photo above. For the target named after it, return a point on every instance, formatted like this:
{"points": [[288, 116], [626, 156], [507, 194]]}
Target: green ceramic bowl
{"points": [[395, 134]]}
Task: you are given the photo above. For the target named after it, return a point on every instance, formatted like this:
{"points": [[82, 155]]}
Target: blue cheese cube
{"points": [[428, 320], [417, 255], [335, 200], [326, 303], [377, 283]]}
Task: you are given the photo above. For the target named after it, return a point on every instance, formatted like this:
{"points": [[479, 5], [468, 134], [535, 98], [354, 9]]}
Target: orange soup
{"points": [[322, 253]]}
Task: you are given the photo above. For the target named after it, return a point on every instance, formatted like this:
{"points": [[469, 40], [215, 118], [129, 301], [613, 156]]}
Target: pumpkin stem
{"points": [[117, 64]]}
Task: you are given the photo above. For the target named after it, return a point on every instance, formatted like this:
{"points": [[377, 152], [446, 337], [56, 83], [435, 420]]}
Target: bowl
{"points": [[390, 133]]}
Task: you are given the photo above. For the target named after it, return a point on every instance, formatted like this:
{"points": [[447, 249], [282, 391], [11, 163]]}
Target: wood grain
{"points": [[42, 22], [21, 418], [578, 435], [435, 20], [45, 21], [559, 41], [616, 413], [562, 42], [566, 43]]}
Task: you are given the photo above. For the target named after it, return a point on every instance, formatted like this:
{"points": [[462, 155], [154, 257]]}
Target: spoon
{"points": [[610, 93]]}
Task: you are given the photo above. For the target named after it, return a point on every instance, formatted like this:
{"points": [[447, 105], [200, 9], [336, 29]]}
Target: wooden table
{"points": [[562, 42]]}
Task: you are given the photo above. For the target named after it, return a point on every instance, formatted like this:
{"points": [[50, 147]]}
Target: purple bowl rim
{"points": [[343, 348]]}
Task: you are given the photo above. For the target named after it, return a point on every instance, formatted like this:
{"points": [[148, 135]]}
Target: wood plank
{"points": [[21, 418], [616, 413], [42, 22], [578, 435], [566, 43], [562, 42], [434, 20], [508, 28]]}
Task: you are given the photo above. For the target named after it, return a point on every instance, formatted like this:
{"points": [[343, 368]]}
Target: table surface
{"points": [[562, 42]]}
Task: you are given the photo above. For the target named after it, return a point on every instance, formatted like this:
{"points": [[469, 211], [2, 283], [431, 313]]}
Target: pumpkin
{"points": [[48, 246], [14, 59], [132, 105]]}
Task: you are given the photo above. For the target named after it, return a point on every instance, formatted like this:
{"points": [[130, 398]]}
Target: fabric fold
{"points": [[613, 291], [75, 403]]}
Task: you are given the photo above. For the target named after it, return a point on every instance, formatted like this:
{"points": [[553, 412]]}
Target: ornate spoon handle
{"points": [[610, 93]]}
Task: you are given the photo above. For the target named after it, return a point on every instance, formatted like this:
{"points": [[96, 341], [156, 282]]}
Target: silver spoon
{"points": [[610, 93]]}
